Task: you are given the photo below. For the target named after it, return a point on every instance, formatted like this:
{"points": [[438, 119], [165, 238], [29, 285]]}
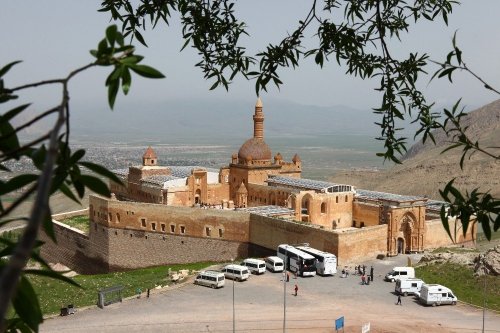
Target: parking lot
{"points": [[259, 305]]}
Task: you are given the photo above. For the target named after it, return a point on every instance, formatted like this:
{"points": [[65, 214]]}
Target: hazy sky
{"points": [[53, 37]]}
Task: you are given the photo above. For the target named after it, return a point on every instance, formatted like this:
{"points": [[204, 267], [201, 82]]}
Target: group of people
{"points": [[365, 278]]}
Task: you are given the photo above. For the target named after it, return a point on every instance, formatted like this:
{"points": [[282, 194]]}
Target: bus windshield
{"points": [[309, 265]]}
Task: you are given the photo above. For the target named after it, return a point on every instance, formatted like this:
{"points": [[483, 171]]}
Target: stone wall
{"points": [[359, 244], [436, 235], [75, 250], [366, 214]]}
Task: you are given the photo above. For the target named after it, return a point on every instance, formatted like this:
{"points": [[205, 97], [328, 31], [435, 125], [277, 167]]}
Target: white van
{"points": [[236, 272], [210, 279], [274, 264], [408, 286], [255, 266], [436, 294], [400, 273]]}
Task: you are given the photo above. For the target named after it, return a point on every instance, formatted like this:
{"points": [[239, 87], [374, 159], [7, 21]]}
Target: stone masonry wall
{"points": [[74, 249], [359, 244], [436, 235]]}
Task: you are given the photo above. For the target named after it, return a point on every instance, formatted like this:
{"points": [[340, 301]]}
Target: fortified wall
{"points": [[130, 235]]}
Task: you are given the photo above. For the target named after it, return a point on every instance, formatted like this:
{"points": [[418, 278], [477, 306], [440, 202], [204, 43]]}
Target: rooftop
{"points": [[268, 210], [373, 195], [309, 184]]}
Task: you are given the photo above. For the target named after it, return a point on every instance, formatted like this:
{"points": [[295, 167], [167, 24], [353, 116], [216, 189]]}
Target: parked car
{"points": [[436, 294]]}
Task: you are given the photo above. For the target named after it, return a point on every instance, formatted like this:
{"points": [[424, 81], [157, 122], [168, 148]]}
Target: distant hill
{"points": [[425, 170]]}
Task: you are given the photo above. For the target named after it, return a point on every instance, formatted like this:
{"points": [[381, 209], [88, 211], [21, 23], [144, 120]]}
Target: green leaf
{"points": [[48, 226], [126, 80], [147, 71], [26, 304], [77, 156], [139, 37], [96, 185], [52, 274], [17, 183], [7, 67], [8, 138], [100, 170], [111, 34], [67, 192], [14, 112], [112, 91]]}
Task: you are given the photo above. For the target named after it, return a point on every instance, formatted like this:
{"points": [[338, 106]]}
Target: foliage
{"points": [[465, 285], [357, 39], [54, 293], [58, 169]]}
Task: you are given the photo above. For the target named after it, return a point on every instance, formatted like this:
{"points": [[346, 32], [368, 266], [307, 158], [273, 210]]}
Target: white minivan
{"points": [[408, 286], [255, 266], [236, 272], [210, 279], [274, 264], [436, 294], [400, 273]]}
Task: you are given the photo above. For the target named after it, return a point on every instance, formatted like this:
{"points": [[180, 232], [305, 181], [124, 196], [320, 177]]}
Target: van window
{"points": [[444, 294], [414, 285], [262, 265], [403, 273]]}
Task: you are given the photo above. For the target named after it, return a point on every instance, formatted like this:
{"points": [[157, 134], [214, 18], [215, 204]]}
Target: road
{"points": [[259, 307]]}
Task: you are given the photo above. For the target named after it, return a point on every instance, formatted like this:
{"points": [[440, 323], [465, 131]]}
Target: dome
{"points": [[256, 149]]}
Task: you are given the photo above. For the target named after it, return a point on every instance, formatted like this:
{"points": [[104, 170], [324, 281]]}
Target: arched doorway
{"points": [[400, 245], [197, 197], [406, 231]]}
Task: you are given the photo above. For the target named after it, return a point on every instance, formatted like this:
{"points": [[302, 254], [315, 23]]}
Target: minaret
{"points": [[258, 121]]}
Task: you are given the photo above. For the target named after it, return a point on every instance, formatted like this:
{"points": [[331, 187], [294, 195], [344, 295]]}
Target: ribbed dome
{"points": [[256, 149]]}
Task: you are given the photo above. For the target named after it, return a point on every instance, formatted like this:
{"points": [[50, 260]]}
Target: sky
{"points": [[53, 37]]}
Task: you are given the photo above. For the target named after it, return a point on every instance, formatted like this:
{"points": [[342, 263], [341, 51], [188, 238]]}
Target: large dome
{"points": [[256, 149]]}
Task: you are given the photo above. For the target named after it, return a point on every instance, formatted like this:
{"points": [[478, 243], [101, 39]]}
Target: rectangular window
{"points": [[153, 226], [143, 223], [163, 227], [221, 233], [183, 229], [208, 231], [172, 228]]}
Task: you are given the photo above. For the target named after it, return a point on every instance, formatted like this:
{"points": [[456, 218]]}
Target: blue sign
{"points": [[339, 323]]}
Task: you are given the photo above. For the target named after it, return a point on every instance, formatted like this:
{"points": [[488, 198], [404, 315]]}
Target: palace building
{"points": [[178, 214]]}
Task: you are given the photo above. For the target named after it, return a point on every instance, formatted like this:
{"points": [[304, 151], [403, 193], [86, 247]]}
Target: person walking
{"points": [[287, 277], [363, 280], [399, 300], [371, 273], [296, 289]]}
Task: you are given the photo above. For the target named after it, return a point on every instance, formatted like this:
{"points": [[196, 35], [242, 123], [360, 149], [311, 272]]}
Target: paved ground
{"points": [[259, 306]]}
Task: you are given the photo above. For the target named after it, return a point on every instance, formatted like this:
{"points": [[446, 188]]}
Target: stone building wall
{"points": [[365, 214], [359, 244], [436, 235]]}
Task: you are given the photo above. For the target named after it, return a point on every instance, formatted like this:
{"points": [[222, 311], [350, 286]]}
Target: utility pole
{"points": [[284, 290]]}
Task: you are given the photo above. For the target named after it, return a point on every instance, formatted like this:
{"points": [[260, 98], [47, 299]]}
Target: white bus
{"points": [[326, 262], [297, 261]]}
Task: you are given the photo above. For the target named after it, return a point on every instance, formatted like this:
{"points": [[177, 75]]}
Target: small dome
{"points": [[149, 153], [296, 158], [278, 157], [255, 148]]}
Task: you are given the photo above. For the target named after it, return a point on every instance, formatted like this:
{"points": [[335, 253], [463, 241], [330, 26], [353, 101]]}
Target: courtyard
{"points": [[259, 307]]}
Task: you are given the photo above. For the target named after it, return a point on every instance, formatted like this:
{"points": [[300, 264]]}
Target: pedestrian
{"points": [[287, 277], [371, 273], [284, 276], [399, 300], [364, 269], [363, 279], [359, 270], [139, 291], [296, 289], [148, 293]]}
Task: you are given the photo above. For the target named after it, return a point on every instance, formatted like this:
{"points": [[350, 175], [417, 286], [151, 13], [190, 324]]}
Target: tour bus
{"points": [[274, 264], [210, 279], [326, 263], [297, 261], [236, 272], [255, 266]]}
